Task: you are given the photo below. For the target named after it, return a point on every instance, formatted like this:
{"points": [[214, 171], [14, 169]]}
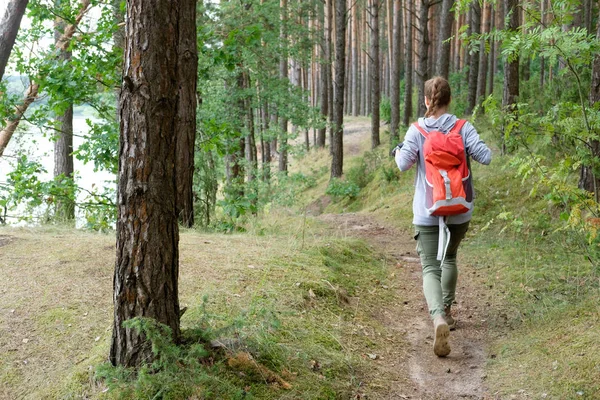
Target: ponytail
{"points": [[437, 90]]}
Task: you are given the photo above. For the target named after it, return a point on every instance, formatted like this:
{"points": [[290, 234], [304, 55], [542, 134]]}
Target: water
{"points": [[41, 148]]}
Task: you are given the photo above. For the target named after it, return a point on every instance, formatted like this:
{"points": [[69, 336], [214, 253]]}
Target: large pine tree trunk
{"points": [[337, 147], [423, 66], [474, 59], [375, 74], [443, 57], [396, 62], [147, 263], [283, 74], [408, 64], [186, 112], [9, 27]]}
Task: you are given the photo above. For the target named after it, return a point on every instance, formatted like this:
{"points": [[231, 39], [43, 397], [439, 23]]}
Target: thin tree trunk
{"points": [[147, 262], [474, 59], [483, 56], [330, 86], [63, 145], [511, 68], [325, 82], [283, 74], [185, 124], [423, 66], [375, 77], [265, 144], [355, 61], [9, 27], [443, 57], [589, 179], [492, 55], [396, 62], [337, 161], [408, 62]]}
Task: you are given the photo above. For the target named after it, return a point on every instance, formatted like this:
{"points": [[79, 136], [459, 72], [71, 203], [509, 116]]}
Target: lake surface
{"points": [[41, 148]]}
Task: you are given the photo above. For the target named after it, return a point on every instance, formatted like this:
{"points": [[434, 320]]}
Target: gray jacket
{"points": [[411, 153]]}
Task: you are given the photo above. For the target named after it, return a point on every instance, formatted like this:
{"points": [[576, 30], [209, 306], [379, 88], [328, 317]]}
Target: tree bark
{"points": [[9, 27], [492, 55], [63, 146], [337, 161], [355, 61], [474, 59], [483, 56], [328, 40], [396, 62], [511, 67], [443, 57], [325, 83], [185, 124], [423, 66], [283, 74], [408, 64], [147, 262], [375, 74], [589, 178]]}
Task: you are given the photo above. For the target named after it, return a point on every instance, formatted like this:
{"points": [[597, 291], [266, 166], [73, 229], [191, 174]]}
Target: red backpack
{"points": [[448, 189]]}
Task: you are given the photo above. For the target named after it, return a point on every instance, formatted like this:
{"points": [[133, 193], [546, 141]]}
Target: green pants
{"points": [[439, 281]]}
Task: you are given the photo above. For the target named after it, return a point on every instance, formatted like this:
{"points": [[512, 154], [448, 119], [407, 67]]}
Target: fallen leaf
{"points": [[251, 266], [373, 356], [311, 294], [97, 338]]}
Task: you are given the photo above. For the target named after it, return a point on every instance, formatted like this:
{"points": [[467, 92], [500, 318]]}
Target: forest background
{"points": [[263, 91]]}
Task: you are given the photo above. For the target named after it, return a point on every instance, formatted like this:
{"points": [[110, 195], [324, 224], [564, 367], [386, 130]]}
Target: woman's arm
{"points": [[406, 157], [476, 148]]}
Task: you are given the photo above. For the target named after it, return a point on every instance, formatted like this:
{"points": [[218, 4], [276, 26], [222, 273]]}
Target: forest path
{"points": [[407, 368]]}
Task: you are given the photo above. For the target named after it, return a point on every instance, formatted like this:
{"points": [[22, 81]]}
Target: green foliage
{"points": [[385, 110], [340, 189]]}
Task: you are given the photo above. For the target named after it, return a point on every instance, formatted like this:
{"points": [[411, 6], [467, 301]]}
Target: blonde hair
{"points": [[437, 90]]}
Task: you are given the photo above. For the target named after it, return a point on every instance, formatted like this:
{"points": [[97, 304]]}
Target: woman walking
{"points": [[438, 237]]}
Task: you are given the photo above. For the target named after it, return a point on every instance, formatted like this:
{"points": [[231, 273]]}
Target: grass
{"points": [[542, 292], [304, 303], [292, 299]]}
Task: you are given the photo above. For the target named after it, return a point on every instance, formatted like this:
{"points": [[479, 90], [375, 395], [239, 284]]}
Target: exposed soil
{"points": [[414, 372]]}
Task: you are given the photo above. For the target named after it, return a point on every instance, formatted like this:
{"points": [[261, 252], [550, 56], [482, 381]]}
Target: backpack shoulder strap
{"points": [[458, 126], [423, 131]]}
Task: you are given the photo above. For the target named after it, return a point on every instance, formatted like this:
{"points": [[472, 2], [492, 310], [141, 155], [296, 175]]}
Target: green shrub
{"points": [[339, 189]]}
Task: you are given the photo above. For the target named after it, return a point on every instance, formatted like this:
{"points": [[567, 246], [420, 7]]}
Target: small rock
{"points": [[373, 356], [448, 371], [97, 338], [25, 340]]}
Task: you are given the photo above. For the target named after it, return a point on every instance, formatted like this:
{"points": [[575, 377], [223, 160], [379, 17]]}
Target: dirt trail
{"points": [[409, 369], [460, 375]]}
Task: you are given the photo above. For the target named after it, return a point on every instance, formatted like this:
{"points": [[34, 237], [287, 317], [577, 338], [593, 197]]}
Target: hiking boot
{"points": [[449, 320], [441, 348]]}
